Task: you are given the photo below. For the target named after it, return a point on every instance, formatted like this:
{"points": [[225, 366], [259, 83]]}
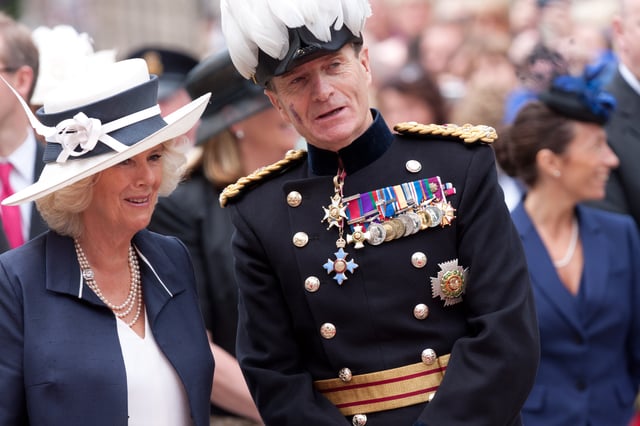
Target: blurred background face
{"points": [[627, 34], [586, 163], [397, 107], [267, 131], [20, 78]]}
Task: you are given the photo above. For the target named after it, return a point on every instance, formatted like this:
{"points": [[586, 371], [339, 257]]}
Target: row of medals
{"points": [[414, 218], [401, 225]]}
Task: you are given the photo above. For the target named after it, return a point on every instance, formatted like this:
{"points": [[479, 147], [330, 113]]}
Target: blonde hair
{"points": [[221, 159], [62, 209]]}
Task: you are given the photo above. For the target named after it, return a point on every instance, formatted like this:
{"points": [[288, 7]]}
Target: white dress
{"points": [[155, 394]]}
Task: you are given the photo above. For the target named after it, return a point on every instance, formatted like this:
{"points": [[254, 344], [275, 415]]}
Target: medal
{"points": [[335, 215], [377, 234], [448, 213], [340, 266], [358, 237], [450, 284], [335, 212]]}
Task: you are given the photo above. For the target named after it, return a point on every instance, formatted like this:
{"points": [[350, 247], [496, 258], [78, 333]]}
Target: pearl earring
{"points": [[556, 173], [239, 134]]}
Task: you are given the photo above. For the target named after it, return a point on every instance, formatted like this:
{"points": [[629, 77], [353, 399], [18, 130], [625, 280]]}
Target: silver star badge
{"points": [[450, 284]]}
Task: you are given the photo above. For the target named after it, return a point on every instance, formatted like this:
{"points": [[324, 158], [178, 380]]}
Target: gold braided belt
{"points": [[385, 390]]}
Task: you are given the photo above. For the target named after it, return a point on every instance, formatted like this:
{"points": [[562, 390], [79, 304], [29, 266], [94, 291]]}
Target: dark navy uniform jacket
{"points": [[61, 362], [492, 334]]}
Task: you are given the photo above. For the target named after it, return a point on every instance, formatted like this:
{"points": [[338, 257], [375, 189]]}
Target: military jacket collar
{"points": [[360, 153]]}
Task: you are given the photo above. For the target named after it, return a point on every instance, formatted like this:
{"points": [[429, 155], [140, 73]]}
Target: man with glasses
{"points": [[20, 153]]}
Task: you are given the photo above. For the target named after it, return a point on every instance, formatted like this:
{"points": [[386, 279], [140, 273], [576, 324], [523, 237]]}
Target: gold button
{"points": [[345, 374], [419, 259], [300, 239], [413, 166], [359, 420], [294, 198], [421, 311], [429, 356], [328, 330], [312, 284]]}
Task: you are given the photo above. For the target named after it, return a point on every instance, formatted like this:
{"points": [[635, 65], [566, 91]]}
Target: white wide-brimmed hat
{"points": [[99, 121]]}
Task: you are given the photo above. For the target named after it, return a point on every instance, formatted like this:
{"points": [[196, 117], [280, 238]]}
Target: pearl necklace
{"points": [[561, 263], [135, 290]]}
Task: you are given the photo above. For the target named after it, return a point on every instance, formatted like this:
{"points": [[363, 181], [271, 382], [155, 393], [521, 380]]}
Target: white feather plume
{"points": [[268, 34], [320, 24], [249, 25], [355, 14], [242, 50], [292, 13]]}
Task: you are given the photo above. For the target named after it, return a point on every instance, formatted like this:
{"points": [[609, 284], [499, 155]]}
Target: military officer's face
{"points": [[327, 99]]}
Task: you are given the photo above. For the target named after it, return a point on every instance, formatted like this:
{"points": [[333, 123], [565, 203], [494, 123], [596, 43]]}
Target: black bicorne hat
{"points": [[303, 47]]}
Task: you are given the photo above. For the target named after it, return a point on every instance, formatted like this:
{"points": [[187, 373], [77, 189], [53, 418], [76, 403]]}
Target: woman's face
{"points": [[125, 195], [266, 131], [587, 162]]}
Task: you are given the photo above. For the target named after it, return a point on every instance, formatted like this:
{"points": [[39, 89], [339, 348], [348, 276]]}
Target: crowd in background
{"points": [[476, 51]]}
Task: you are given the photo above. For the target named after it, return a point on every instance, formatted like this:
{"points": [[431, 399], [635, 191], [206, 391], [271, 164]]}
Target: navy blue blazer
{"points": [[590, 343], [61, 360], [491, 335]]}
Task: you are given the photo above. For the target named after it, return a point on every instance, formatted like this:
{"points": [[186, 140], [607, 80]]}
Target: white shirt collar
{"points": [[23, 161], [628, 76]]}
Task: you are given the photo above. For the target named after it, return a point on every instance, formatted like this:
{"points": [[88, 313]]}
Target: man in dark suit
{"points": [[381, 280], [623, 129], [18, 145]]}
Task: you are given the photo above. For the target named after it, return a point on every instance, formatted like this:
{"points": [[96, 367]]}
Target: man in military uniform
{"points": [[381, 279]]}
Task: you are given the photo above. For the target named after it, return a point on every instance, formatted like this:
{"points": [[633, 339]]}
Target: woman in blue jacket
{"points": [[583, 262], [99, 319]]}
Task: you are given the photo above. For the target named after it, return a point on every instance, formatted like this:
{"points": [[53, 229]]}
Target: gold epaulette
{"points": [[291, 158], [467, 132]]}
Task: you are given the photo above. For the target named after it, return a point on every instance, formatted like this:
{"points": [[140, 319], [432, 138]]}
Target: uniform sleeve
{"points": [[12, 402], [266, 346], [493, 368]]}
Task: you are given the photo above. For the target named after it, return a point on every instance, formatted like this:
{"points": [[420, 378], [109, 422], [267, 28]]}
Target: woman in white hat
{"points": [[99, 322]]}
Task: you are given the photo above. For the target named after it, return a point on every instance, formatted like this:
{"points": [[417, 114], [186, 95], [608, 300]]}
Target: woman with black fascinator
{"points": [[583, 262]]}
